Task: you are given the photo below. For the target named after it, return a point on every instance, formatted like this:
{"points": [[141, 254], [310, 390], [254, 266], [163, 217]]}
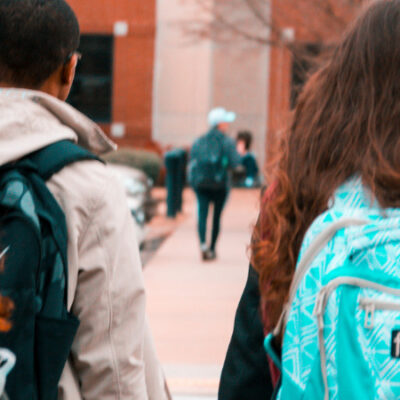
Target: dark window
{"points": [[305, 59], [91, 92]]}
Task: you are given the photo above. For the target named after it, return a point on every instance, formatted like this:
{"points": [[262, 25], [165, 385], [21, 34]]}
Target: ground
{"points": [[191, 304]]}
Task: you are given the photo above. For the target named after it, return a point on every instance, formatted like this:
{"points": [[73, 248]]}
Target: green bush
{"points": [[147, 161]]}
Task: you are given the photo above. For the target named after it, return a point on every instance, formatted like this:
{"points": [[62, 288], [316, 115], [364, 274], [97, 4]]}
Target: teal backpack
{"points": [[208, 166], [342, 321], [33, 239]]}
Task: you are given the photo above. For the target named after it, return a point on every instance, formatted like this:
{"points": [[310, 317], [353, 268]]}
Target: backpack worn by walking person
{"points": [[342, 320], [33, 237], [208, 164]]}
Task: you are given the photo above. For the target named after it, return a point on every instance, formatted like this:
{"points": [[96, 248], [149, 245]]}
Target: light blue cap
{"points": [[219, 115]]}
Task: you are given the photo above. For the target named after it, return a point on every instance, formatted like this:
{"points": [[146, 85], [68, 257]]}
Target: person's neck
{"points": [[216, 129], [48, 88], [7, 85]]}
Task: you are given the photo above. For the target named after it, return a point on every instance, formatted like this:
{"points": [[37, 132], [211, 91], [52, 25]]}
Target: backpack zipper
{"points": [[322, 301], [370, 305]]}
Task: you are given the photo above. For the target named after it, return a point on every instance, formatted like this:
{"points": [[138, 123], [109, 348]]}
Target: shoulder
{"points": [[250, 156], [84, 183], [199, 142], [200, 139]]}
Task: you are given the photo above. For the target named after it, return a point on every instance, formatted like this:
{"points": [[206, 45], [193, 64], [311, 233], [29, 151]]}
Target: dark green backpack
{"points": [[208, 165], [33, 236]]}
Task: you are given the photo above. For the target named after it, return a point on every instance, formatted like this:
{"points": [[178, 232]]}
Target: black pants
{"points": [[218, 199], [246, 372], [175, 180]]}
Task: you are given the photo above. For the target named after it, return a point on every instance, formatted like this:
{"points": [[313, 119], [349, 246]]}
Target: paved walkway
{"points": [[191, 304]]}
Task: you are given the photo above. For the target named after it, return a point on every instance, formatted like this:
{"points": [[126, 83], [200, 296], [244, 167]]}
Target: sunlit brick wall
{"points": [[133, 62]]}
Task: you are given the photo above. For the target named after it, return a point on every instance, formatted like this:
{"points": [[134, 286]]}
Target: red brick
{"points": [[133, 61], [311, 24]]}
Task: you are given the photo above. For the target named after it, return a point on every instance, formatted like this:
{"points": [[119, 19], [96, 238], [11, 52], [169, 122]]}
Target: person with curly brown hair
{"points": [[341, 154]]}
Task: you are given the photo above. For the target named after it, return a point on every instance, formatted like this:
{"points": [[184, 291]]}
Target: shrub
{"points": [[147, 161]]}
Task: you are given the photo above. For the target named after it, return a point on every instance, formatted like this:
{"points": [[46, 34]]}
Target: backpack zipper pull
{"points": [[369, 316]]}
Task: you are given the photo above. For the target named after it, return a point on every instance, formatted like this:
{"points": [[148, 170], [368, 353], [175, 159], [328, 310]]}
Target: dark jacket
{"points": [[250, 165], [245, 375]]}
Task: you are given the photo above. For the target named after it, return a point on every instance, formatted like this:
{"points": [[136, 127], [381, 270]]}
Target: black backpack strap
{"points": [[56, 156]]}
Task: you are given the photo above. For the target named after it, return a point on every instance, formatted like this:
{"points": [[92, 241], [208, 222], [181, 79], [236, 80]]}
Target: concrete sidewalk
{"points": [[191, 304]]}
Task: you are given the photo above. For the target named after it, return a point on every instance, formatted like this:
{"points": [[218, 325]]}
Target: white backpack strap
{"points": [[304, 264]]}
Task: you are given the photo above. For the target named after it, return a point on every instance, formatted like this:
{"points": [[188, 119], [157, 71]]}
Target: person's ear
{"points": [[67, 77], [68, 71]]}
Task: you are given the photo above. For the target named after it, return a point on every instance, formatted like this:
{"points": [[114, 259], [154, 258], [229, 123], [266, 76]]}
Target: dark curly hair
{"points": [[37, 37]]}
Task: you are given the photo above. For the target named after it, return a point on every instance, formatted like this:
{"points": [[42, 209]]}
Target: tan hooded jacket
{"points": [[112, 356]]}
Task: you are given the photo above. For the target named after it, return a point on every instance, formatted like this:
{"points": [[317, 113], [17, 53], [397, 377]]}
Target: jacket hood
{"points": [[31, 120]]}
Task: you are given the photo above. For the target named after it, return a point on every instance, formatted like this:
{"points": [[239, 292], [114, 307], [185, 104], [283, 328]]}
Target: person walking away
{"points": [[211, 158], [327, 247], [112, 354]]}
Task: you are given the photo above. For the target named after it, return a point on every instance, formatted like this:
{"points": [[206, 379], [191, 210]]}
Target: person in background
{"points": [[211, 158], [244, 141], [112, 355]]}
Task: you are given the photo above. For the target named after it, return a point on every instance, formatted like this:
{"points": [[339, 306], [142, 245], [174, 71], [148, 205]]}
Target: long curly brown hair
{"points": [[346, 123]]}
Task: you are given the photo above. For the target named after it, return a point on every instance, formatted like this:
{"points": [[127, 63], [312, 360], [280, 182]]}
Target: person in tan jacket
{"points": [[112, 356]]}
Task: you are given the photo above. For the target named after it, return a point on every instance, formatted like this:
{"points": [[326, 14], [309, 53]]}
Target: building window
{"points": [[91, 92]]}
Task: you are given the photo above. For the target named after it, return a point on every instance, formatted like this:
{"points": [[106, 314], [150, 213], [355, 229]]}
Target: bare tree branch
{"points": [[221, 23], [226, 18], [251, 4]]}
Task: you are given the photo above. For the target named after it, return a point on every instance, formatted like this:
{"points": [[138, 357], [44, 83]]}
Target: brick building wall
{"points": [[133, 62], [301, 21]]}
